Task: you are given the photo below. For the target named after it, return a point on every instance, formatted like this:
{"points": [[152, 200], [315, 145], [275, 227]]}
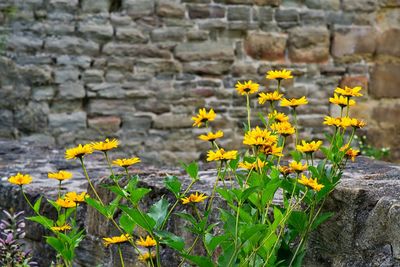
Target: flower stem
{"points": [[248, 112], [120, 256], [109, 163], [88, 179], [295, 126]]}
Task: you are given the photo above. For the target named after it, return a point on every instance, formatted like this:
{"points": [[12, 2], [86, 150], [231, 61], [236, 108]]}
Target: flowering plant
{"points": [[272, 194]]}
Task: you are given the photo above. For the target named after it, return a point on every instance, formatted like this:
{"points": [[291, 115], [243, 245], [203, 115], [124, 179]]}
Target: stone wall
{"points": [[78, 70]]}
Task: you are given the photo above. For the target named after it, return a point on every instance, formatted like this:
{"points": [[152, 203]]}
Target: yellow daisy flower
{"points": [[211, 137], [345, 122], [124, 163], [60, 176], [279, 75], [273, 150], [147, 256], [148, 242], [247, 88], [285, 170], [341, 101], [352, 154], [193, 198], [294, 103], [203, 117], [78, 198], [106, 145], [221, 154], [269, 97], [20, 179], [283, 128], [298, 166], [259, 137], [259, 164], [331, 121], [309, 147], [357, 123], [65, 203], [116, 239], [78, 151], [349, 92], [310, 182], [62, 228], [278, 116]]}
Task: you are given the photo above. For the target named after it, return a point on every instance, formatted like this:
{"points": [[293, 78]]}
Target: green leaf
{"points": [[117, 190], [225, 258], [252, 230], [126, 223], [226, 194], [97, 206], [199, 260], [54, 204], [46, 222], [246, 193], [158, 211], [173, 184], [55, 243], [192, 170], [298, 220], [171, 240], [213, 241], [138, 193], [321, 218], [36, 206], [260, 115], [234, 163], [187, 217], [296, 155], [141, 219]]}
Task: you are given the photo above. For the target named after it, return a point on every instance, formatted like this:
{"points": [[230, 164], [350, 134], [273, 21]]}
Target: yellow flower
{"points": [[247, 88], [279, 74], [65, 203], [203, 117], [298, 166], [126, 162], [349, 92], [310, 182], [352, 154], [116, 239], [285, 170], [309, 147], [283, 128], [337, 122], [60, 176], [148, 242], [221, 154], [270, 97], [294, 103], [278, 116], [345, 122], [357, 123], [65, 227], [147, 256], [20, 179], [78, 198], [341, 101], [78, 152], [273, 150], [193, 198], [249, 166], [106, 145], [211, 136], [259, 137]]}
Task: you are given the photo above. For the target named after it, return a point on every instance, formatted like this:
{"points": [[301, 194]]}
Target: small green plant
{"points": [[369, 150]]}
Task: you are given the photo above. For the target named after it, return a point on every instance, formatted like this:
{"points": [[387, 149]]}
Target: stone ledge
{"points": [[365, 231]]}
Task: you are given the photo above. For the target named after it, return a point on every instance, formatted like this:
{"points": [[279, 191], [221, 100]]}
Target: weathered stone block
{"points": [[78, 61], [287, 18], [268, 2], [93, 76], [64, 5], [170, 9], [263, 14], [66, 75], [67, 122], [131, 35], [360, 5], [19, 44], [385, 79], [353, 81], [71, 90], [386, 41], [239, 13], [141, 51], [170, 121], [174, 34], [139, 8], [35, 75], [71, 45], [205, 11], [309, 44], [110, 107], [98, 31], [204, 51], [323, 4], [44, 93], [94, 6], [387, 115], [390, 3], [266, 46], [354, 41], [314, 17], [109, 124], [7, 123], [31, 118], [207, 67], [140, 124], [197, 35]]}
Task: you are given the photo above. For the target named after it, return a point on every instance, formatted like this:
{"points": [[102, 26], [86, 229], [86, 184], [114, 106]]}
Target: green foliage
{"points": [[369, 150]]}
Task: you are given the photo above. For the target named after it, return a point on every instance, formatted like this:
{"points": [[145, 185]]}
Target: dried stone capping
{"points": [[78, 70], [365, 230]]}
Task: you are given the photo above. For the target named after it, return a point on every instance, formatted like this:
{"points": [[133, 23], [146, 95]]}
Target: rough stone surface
{"points": [[149, 59], [363, 232]]}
